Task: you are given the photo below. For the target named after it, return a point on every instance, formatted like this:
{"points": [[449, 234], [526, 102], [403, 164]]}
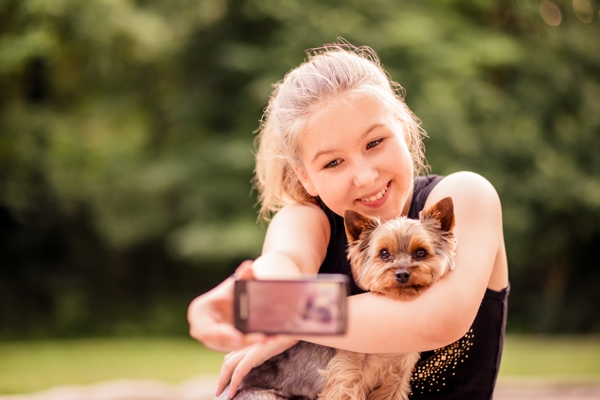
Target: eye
{"points": [[333, 164], [374, 143], [420, 254], [385, 255]]}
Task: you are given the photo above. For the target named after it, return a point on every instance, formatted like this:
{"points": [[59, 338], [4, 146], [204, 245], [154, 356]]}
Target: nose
{"points": [[365, 174], [402, 276]]}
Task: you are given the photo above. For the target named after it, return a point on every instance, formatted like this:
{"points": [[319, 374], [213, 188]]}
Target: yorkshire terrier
{"points": [[399, 259]]}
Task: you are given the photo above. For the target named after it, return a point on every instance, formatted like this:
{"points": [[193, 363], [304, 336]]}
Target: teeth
{"points": [[375, 197]]}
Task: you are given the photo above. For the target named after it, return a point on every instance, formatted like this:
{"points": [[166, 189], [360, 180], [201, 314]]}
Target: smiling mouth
{"points": [[376, 196]]}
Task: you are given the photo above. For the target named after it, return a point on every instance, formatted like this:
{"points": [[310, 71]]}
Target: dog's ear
{"points": [[356, 223], [443, 211]]}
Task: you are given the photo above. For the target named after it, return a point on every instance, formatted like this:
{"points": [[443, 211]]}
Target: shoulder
{"points": [[468, 188], [477, 206], [306, 222], [297, 224], [309, 212], [301, 232]]}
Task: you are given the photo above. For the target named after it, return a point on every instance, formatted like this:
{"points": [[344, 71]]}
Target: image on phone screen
{"points": [[302, 306]]}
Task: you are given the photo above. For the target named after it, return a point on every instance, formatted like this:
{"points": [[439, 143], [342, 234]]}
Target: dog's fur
{"points": [[399, 259]]}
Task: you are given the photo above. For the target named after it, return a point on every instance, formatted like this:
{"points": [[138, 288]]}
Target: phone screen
{"points": [[303, 306]]}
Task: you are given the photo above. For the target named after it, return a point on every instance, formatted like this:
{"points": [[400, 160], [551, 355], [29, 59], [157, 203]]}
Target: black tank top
{"points": [[466, 369]]}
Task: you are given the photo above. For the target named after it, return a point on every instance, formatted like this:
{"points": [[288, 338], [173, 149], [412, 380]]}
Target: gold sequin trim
{"points": [[427, 374]]}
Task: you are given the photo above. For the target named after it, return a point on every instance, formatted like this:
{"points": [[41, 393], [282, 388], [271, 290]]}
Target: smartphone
{"points": [[308, 306]]}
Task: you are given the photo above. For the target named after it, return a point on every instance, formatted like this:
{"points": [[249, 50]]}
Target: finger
{"points": [[226, 338], [241, 370], [222, 395], [231, 354], [213, 301], [253, 338], [244, 271], [254, 357], [229, 363], [222, 337]]}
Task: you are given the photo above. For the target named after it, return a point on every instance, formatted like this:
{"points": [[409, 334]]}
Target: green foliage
{"points": [[126, 144]]}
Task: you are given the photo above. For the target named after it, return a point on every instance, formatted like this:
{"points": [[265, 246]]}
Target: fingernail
{"points": [[229, 396], [217, 392]]}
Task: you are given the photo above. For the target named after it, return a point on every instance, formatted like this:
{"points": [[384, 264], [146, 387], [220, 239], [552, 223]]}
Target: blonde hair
{"points": [[330, 72]]}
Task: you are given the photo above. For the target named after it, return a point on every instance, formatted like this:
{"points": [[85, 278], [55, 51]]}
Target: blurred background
{"points": [[126, 131]]}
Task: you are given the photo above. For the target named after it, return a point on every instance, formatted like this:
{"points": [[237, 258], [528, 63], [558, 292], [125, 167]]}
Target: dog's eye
{"points": [[420, 254], [385, 255]]}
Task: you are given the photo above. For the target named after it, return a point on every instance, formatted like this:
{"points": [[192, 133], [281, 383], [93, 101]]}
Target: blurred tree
{"points": [[109, 160], [125, 143]]}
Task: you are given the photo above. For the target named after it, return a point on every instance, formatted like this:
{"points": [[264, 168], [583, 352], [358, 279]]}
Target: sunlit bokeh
{"points": [[550, 13], [583, 10]]}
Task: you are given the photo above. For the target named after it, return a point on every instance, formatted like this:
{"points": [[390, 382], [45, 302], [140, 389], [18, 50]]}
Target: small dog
{"points": [[399, 259]]}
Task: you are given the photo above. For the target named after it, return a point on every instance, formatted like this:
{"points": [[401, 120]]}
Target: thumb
{"points": [[244, 271]]}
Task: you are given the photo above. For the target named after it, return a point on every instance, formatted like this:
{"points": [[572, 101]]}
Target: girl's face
{"points": [[355, 156]]}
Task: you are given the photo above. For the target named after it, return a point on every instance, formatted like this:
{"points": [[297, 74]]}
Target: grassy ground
{"points": [[32, 366], [557, 358]]}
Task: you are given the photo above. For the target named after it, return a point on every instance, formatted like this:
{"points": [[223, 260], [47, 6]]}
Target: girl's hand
{"points": [[238, 364], [211, 316]]}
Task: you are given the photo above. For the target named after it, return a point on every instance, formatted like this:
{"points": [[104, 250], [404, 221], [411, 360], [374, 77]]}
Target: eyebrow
{"points": [[369, 130]]}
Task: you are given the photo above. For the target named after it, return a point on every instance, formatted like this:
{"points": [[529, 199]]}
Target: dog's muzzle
{"points": [[402, 275]]}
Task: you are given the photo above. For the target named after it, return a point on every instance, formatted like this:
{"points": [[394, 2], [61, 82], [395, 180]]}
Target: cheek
{"points": [[401, 161], [330, 188], [334, 190]]}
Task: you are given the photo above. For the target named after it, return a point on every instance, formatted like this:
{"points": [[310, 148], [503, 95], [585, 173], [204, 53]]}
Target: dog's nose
{"points": [[402, 276]]}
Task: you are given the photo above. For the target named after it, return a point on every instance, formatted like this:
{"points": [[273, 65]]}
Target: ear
{"points": [[443, 211], [305, 180], [356, 223]]}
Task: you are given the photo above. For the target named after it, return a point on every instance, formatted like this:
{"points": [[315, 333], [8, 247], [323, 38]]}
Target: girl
{"points": [[337, 135]]}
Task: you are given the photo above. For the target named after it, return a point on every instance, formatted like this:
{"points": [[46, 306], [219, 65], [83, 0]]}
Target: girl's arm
{"points": [[297, 241], [295, 244], [445, 312]]}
